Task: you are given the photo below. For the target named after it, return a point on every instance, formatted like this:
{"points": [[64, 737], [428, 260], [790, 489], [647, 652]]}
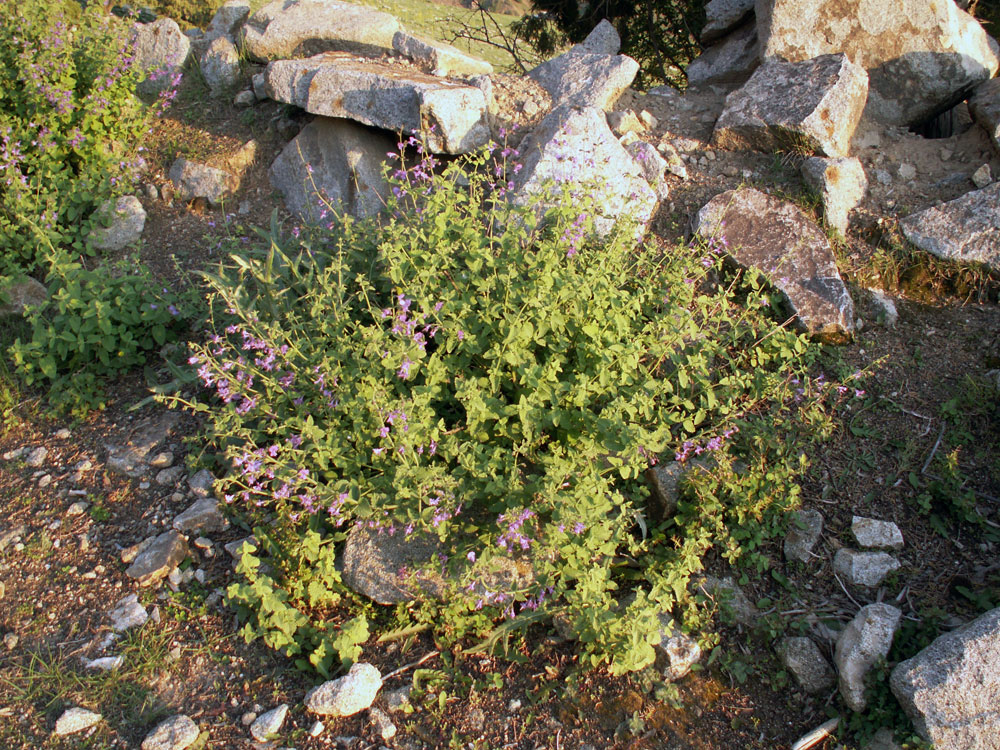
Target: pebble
{"points": [[907, 171], [10, 641], [383, 724], [269, 724], [128, 613], [105, 663], [316, 729], [45, 481], [162, 460], [203, 543], [37, 457], [62, 434], [14, 454], [248, 718], [3, 589], [176, 733], [346, 695], [169, 476], [75, 720], [78, 508], [869, 532], [982, 177]]}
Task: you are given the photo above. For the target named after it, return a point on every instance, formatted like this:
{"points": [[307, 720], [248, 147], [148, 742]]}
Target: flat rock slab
{"points": [[870, 532], [951, 689], [723, 16], [779, 239], [865, 640], [574, 146], [438, 58], [585, 79], [984, 106], [966, 229], [811, 106], [75, 720], [448, 117], [921, 56], [193, 180], [176, 733], [732, 60], [204, 515], [333, 166], [157, 560], [863, 568], [347, 695], [302, 28]]}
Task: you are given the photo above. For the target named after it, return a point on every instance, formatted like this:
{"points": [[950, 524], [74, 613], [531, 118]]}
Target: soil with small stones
{"points": [[927, 404]]}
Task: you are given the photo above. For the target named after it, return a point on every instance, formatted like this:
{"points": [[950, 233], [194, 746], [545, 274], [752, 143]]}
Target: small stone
{"points": [[130, 553], [176, 733], [201, 483], [729, 598], [162, 460], [203, 543], [120, 224], [269, 724], [678, 650], [865, 640], [10, 641], [62, 434], [3, 590], [346, 695], [316, 729], [624, 122], [14, 453], [804, 532], [78, 508], [880, 534], [128, 613], [159, 558], [44, 481], [203, 515], [863, 568], [907, 171], [888, 315], [982, 177], [397, 700], [648, 120], [104, 664], [169, 477], [383, 724], [802, 657], [244, 99], [37, 457], [75, 720], [248, 718]]}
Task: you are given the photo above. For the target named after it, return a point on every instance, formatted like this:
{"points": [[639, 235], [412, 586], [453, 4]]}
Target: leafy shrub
{"points": [[188, 12], [94, 324], [69, 126], [495, 377]]}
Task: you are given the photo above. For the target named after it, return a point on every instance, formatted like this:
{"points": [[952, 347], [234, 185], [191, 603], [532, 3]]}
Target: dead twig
{"points": [[417, 663], [930, 458]]}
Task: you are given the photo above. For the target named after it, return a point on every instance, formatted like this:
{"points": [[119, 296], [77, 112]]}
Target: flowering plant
{"points": [[490, 376]]}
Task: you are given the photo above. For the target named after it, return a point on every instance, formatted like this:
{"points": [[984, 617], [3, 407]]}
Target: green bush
{"points": [[498, 378], [69, 127], [95, 324]]}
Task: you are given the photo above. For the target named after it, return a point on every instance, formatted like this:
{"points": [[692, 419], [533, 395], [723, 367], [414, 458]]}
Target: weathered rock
{"points": [[176, 733], [302, 28], [921, 57], [398, 699], [346, 695], [951, 689], [965, 229], [201, 483], [130, 458], [36, 457], [220, 66], [448, 117], [204, 516], [125, 220], [811, 106], [863, 568], [193, 180], [75, 720], [602, 40], [169, 477], [802, 657], [584, 79], [269, 724], [438, 58], [19, 294], [383, 724], [677, 652], [104, 664], [982, 177], [865, 640], [161, 50], [723, 16], [158, 559], [883, 739], [675, 164], [732, 60], [333, 166], [228, 19], [624, 122], [869, 532], [729, 598], [778, 238], [652, 165], [841, 184], [804, 531], [575, 147], [128, 613], [244, 99], [984, 106], [886, 313]]}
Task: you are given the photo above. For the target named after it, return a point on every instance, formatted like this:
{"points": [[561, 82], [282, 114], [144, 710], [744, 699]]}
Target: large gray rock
{"points": [[220, 66], [228, 19], [921, 56], [193, 180], [302, 28], [347, 695], [778, 238], [19, 294], [841, 184], [865, 640], [723, 16], [584, 79], [124, 218], [176, 733], [574, 147], [732, 60], [438, 58], [161, 49], [811, 106], [157, 560], [804, 531], [966, 229], [951, 689], [802, 657], [863, 568], [333, 166], [448, 117], [984, 106]]}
